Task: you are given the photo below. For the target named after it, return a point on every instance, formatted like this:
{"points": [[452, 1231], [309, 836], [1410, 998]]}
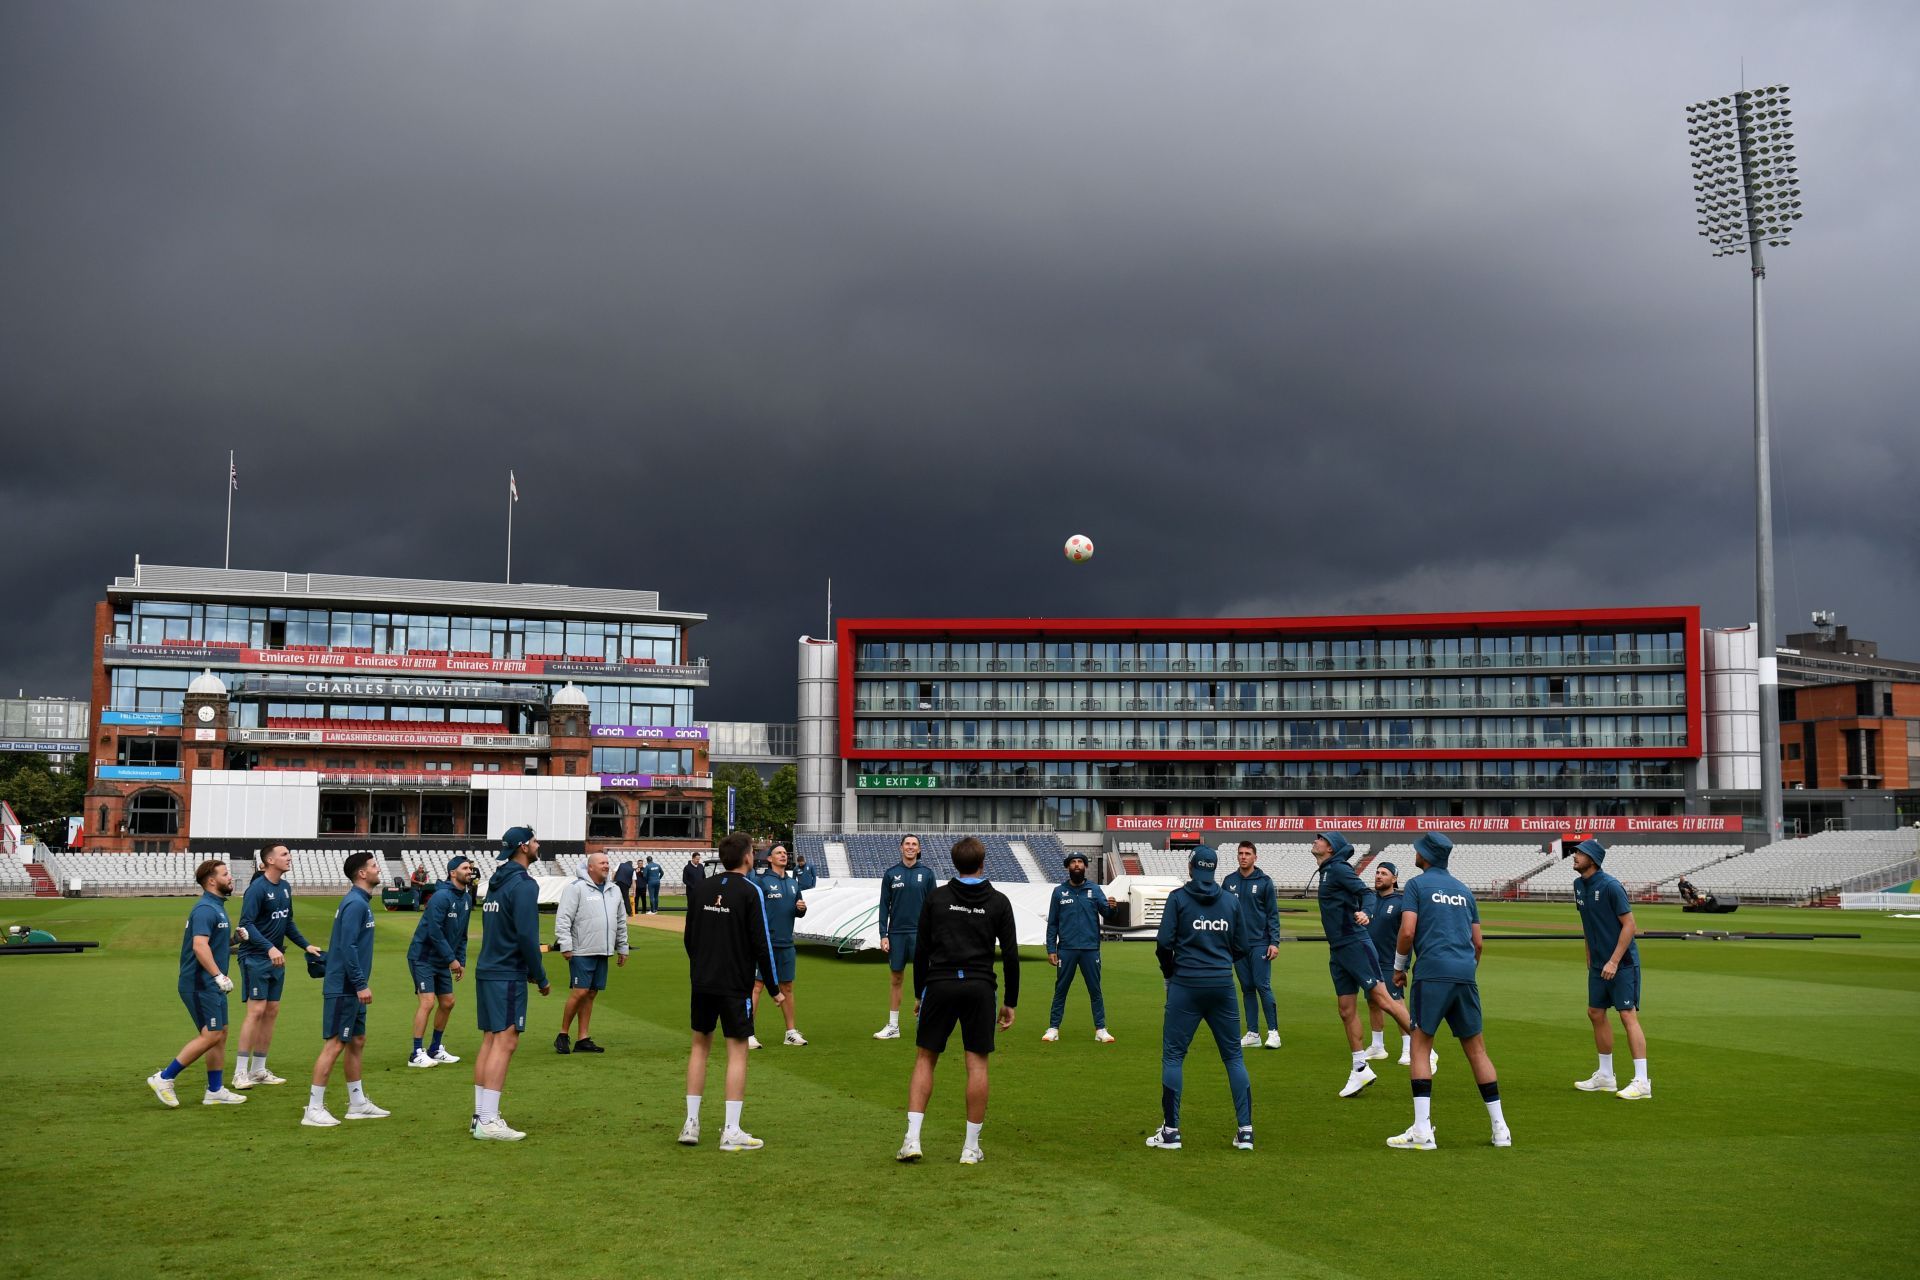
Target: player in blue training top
{"points": [[1613, 967], [509, 960], [654, 874], [1253, 888], [1203, 934], [266, 920], [1383, 907], [1351, 959], [1074, 912], [903, 891], [437, 958], [345, 994], [1441, 928], [203, 988], [782, 898]]}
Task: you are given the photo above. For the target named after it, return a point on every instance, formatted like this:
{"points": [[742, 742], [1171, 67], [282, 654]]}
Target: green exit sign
{"points": [[898, 782]]}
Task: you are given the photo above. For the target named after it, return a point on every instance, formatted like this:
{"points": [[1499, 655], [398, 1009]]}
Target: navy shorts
{"points": [[431, 979], [587, 973], [734, 1013], [260, 979], [207, 1008], [1437, 1000], [1622, 993], [785, 960], [1355, 967], [900, 950], [342, 1017], [502, 1004]]}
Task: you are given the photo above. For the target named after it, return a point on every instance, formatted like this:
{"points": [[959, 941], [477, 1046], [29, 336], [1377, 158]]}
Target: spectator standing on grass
{"points": [[692, 874], [655, 873], [204, 984], [625, 878], [589, 927]]}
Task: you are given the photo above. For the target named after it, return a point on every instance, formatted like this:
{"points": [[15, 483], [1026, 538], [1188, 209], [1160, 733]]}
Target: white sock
{"points": [[913, 1125], [317, 1097], [1606, 1064], [1640, 1071], [893, 1019], [1422, 1113], [1359, 1059], [355, 1094], [733, 1113], [1493, 1109], [1380, 1040], [489, 1105], [973, 1133], [693, 1107], [243, 1066], [260, 1063]]}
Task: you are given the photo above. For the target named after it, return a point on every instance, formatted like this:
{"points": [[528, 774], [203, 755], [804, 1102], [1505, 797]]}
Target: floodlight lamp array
{"points": [[1746, 184]]}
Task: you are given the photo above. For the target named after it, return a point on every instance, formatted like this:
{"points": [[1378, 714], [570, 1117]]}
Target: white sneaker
{"points": [[1406, 1053], [318, 1118], [1102, 1036], [1598, 1082], [972, 1155], [441, 1055], [223, 1095], [241, 1080], [889, 1032], [739, 1140], [420, 1058], [163, 1090], [1273, 1040], [365, 1110], [496, 1130], [1359, 1078], [1502, 1136], [1636, 1090], [1165, 1139], [1376, 1053], [264, 1076], [1050, 1035], [753, 1042], [1414, 1139], [1251, 1040], [909, 1152], [794, 1038], [1243, 1139], [690, 1134]]}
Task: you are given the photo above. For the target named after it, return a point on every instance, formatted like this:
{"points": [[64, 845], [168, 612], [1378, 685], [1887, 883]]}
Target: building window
{"points": [[153, 813], [389, 816], [606, 819], [670, 819], [436, 815], [163, 752], [338, 815], [1792, 749]]}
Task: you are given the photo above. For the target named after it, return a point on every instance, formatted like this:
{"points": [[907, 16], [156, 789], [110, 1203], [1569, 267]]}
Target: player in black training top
{"points": [[727, 946]]}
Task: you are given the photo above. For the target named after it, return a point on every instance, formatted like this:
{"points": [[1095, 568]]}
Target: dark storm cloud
{"points": [[1290, 310]]}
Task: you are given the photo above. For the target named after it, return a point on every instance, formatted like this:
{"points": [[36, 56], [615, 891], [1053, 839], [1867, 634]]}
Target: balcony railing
{"points": [[1585, 703], [1237, 667], [1445, 784], [1274, 742]]}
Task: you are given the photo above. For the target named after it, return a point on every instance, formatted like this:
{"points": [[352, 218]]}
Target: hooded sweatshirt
{"points": [[1341, 894], [592, 919], [510, 928], [441, 936], [1074, 913], [780, 895], [1256, 897], [1202, 933], [959, 925]]}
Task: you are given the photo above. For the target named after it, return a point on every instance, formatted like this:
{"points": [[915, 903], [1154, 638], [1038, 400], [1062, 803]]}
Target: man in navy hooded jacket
{"points": [[437, 957], [1075, 912], [1351, 959], [1254, 889], [1202, 935], [509, 960]]}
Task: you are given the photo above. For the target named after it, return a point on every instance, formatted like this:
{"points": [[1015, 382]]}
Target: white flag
{"points": [[233, 474], [512, 488]]}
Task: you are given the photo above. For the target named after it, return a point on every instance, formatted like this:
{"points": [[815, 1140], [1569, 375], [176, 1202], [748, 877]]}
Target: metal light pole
{"points": [[1748, 194]]}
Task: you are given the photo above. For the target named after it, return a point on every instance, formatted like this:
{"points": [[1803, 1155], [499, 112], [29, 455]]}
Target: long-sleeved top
{"points": [[1074, 913], [807, 878], [266, 913], [781, 895], [1341, 894], [350, 947], [623, 876], [1262, 907], [727, 939], [1383, 920], [1203, 931], [903, 891], [591, 919], [510, 928], [692, 874], [207, 919], [960, 923], [653, 873], [441, 936]]}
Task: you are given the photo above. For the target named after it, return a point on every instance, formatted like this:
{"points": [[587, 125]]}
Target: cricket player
{"points": [[1613, 967], [437, 958], [1383, 907], [1253, 888], [509, 961], [1074, 915], [903, 890], [266, 920], [204, 984], [345, 994], [1203, 935], [785, 901], [1351, 959]]}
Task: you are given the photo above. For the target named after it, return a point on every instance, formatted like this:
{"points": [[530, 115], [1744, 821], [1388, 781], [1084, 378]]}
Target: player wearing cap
{"points": [[781, 893], [903, 890], [728, 946], [1351, 959], [1383, 907], [509, 960], [1203, 935], [1613, 966], [1440, 925], [1074, 913], [960, 923], [345, 994], [437, 958], [1253, 888], [203, 988], [266, 920]]}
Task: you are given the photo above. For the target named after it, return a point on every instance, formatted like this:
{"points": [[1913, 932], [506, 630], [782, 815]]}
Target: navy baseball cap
{"points": [[1388, 866], [1071, 858], [457, 861], [515, 837], [1202, 863]]}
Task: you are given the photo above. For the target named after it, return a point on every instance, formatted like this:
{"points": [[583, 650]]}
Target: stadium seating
{"points": [[869, 855], [1640, 868], [1487, 869], [14, 879], [1799, 870]]}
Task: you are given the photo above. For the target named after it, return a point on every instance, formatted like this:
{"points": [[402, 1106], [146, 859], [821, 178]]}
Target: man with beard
{"points": [[203, 989], [1074, 915]]}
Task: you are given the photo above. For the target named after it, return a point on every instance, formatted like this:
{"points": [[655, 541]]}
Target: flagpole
{"points": [[509, 526], [228, 564]]}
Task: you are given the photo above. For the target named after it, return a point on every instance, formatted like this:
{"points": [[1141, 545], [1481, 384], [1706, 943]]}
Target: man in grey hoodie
{"points": [[590, 926]]}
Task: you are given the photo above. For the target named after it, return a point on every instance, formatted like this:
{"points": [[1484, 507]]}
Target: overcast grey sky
{"points": [[1290, 307]]}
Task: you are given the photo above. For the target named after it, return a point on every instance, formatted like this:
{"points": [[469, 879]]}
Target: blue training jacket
{"points": [[1202, 933], [266, 913], [1341, 894], [1261, 905], [510, 928], [350, 949], [1074, 913], [441, 936]]}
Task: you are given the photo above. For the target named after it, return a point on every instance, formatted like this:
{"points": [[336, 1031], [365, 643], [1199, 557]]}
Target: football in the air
{"points": [[1079, 548]]}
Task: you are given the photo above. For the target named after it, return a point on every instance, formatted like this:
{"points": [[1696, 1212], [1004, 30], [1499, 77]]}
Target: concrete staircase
{"points": [[43, 885]]}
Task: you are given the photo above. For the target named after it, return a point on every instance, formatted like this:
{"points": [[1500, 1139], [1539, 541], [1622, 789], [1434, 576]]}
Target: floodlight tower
{"points": [[1748, 193]]}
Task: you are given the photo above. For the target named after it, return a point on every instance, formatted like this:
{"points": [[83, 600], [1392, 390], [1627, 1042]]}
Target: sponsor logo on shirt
{"points": [[715, 906], [972, 911], [1449, 899], [1214, 926]]}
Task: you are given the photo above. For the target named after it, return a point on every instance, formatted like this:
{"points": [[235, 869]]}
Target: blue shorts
{"points": [[1437, 1000], [503, 1005], [342, 1017], [784, 960], [260, 979], [431, 979], [1622, 993], [1355, 967], [900, 950], [207, 1008], [586, 973]]}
